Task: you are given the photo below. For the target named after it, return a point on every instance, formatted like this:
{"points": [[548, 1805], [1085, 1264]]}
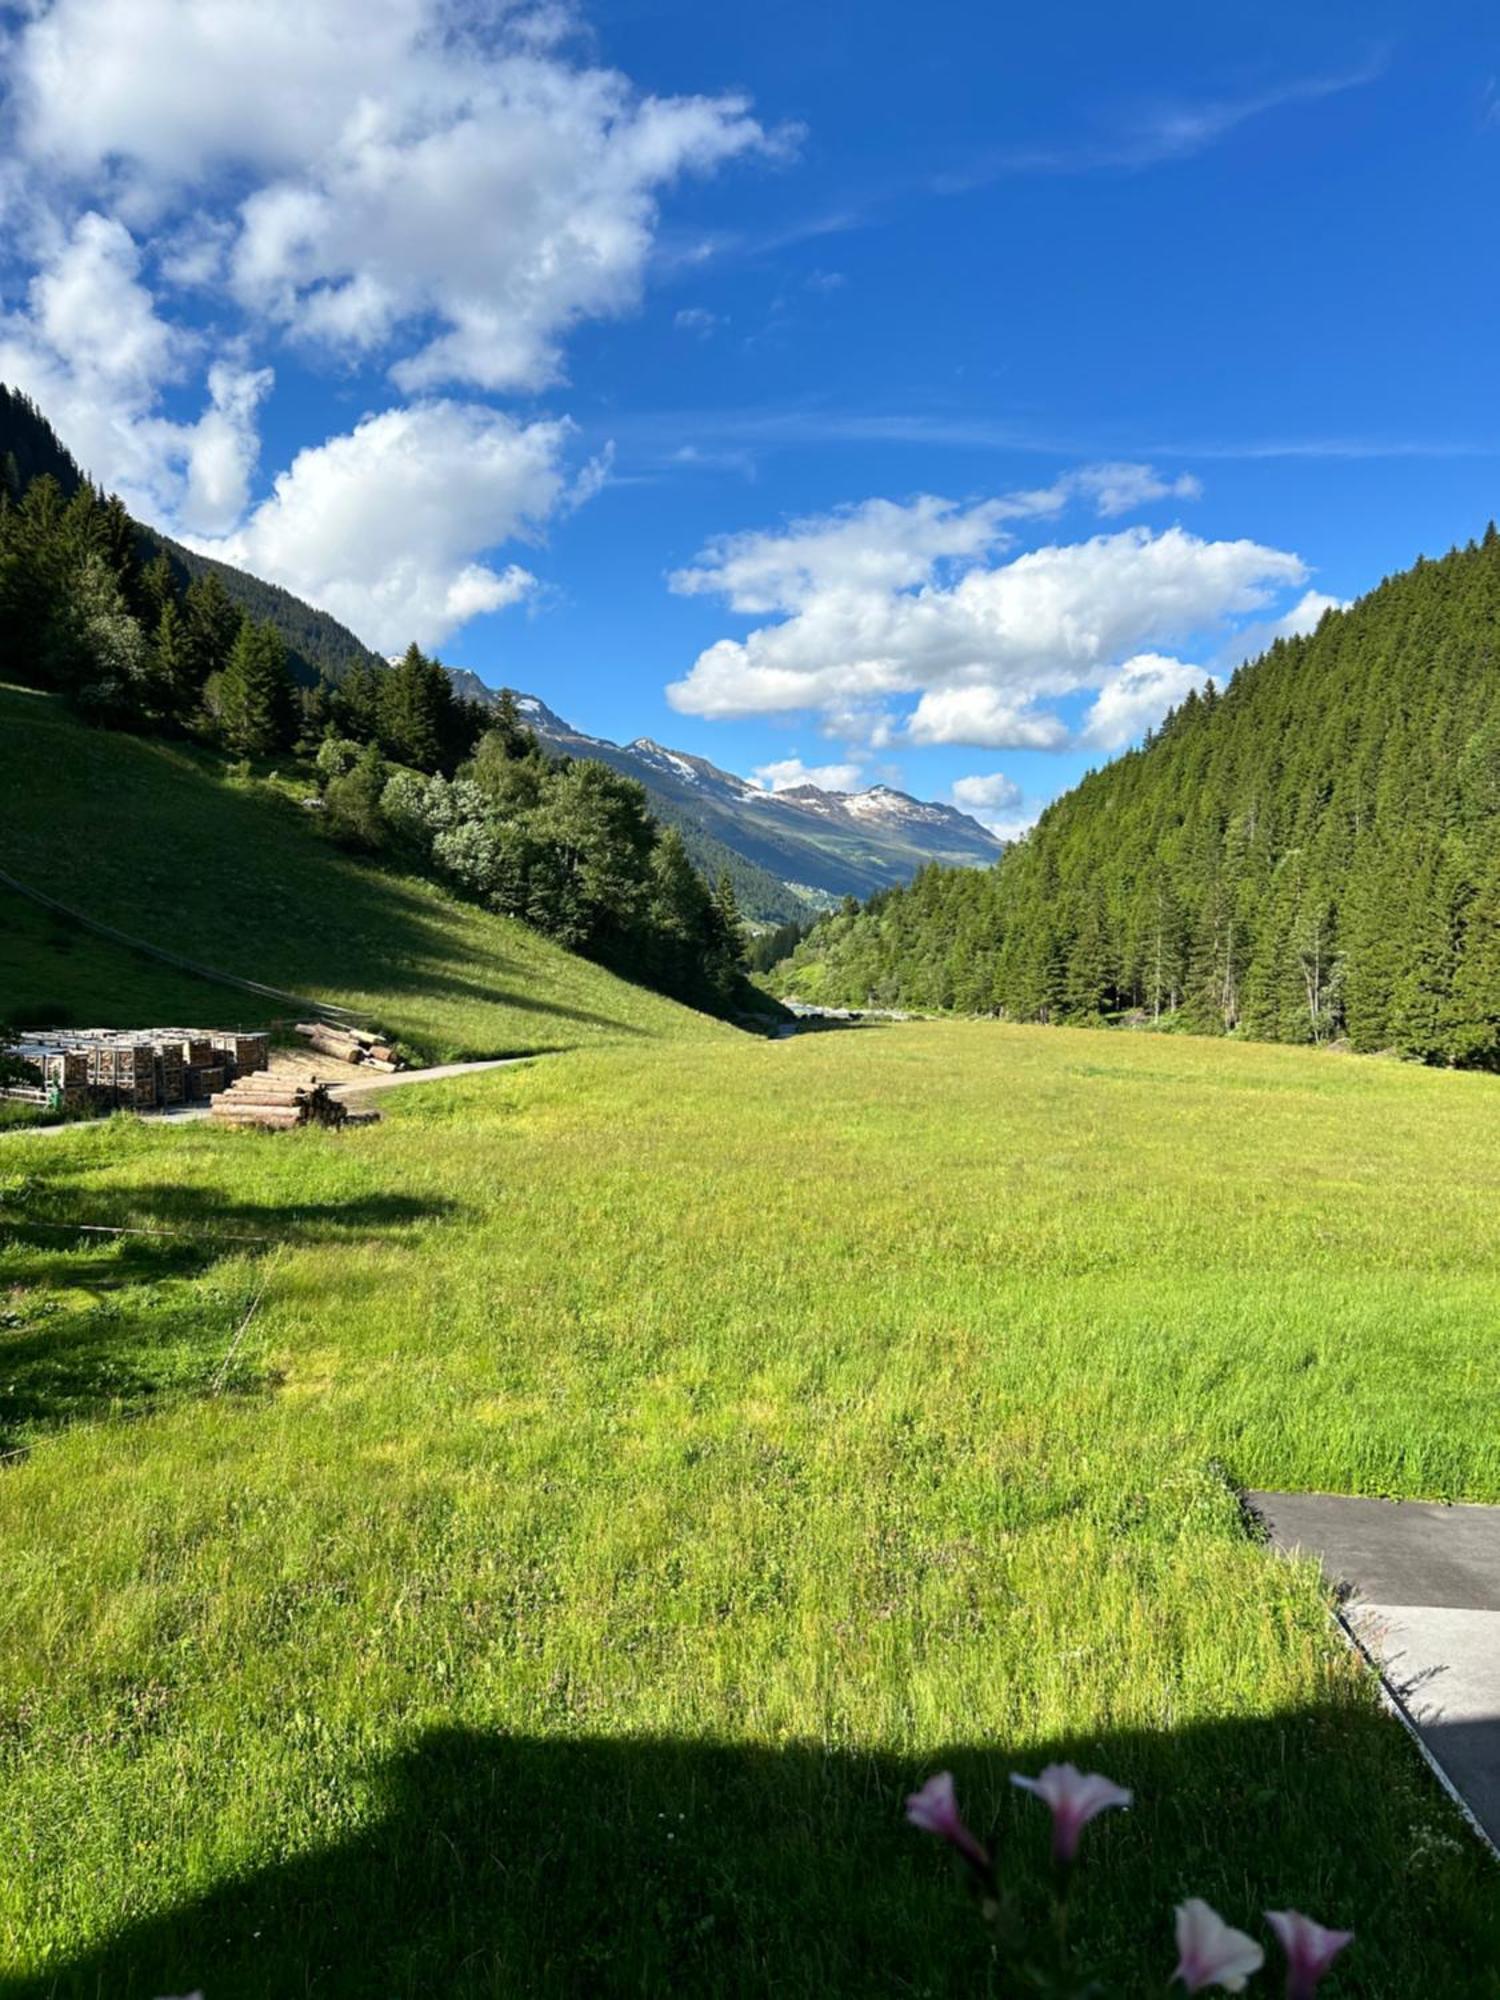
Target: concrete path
{"points": [[397, 1079], [1425, 1606], [357, 1085]]}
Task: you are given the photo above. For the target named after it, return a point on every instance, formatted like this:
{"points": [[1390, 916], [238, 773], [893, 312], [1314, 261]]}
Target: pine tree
{"points": [[255, 697], [171, 689], [211, 624], [417, 712]]}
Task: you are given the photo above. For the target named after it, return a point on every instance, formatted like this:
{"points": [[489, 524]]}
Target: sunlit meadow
{"points": [[639, 1471]]}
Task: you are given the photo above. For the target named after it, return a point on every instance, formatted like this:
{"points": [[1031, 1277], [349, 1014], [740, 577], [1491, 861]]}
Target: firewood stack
{"points": [[350, 1045], [140, 1069], [276, 1102]]}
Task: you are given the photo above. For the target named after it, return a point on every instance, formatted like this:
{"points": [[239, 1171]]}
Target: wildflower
{"points": [[935, 1810], [1210, 1953], [1074, 1799], [1309, 1948]]}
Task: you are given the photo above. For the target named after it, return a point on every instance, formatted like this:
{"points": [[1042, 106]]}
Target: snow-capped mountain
{"points": [[798, 847]]}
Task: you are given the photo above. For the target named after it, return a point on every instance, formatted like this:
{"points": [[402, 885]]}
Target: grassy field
{"points": [[161, 841], [641, 1468]]}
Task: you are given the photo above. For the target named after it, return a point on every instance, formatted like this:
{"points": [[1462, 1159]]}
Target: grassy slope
{"points": [[639, 1472], [156, 840]]}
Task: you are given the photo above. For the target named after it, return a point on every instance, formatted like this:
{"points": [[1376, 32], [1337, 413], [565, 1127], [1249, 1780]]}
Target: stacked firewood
{"points": [[140, 1069], [350, 1045], [275, 1101]]}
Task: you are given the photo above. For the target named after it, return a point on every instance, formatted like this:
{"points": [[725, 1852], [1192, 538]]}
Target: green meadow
{"points": [[532, 1545]]}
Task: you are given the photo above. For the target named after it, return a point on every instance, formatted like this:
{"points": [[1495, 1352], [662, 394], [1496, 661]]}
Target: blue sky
{"points": [[921, 395]]}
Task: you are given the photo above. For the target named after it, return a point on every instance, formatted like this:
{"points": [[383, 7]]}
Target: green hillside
{"points": [[164, 842], [1312, 854]]}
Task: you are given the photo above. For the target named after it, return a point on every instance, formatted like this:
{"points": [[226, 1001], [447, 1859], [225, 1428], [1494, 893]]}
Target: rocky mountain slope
{"points": [[819, 845]]}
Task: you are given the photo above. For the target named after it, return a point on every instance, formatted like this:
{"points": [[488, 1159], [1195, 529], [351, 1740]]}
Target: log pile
{"points": [[276, 1103], [350, 1045]]}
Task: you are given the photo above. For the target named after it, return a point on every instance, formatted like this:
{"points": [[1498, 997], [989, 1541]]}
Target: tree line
{"points": [[407, 770], [1310, 855]]}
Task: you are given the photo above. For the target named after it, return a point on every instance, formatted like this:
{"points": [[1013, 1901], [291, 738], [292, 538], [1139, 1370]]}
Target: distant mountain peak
{"points": [[813, 842]]}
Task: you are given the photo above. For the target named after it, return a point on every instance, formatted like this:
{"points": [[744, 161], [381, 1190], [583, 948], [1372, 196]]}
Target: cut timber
{"points": [[349, 1045], [276, 1103]]}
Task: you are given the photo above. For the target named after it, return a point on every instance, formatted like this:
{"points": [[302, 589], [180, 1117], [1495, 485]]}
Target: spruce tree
{"points": [[255, 696]]}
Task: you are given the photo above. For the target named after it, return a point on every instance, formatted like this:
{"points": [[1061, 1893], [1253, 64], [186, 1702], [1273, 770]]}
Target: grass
{"points": [[163, 842], [642, 1468]]}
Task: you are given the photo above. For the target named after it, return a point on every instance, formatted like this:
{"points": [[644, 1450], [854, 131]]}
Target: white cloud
{"points": [[1123, 488], [1135, 698], [791, 771], [998, 803], [421, 172], [1162, 132], [886, 600], [379, 526], [986, 718], [93, 351], [991, 792], [439, 189]]}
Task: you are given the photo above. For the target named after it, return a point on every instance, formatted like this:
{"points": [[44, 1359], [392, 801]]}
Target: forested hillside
{"points": [[1313, 853], [392, 763], [316, 644]]}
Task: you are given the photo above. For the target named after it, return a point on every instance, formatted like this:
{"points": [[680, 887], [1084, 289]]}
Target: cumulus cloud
{"points": [[791, 771], [440, 190], [93, 351], [379, 526], [1135, 698], [888, 600], [998, 803], [428, 176], [985, 717], [991, 792]]}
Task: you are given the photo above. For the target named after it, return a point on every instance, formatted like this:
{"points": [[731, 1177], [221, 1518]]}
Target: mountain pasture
{"points": [[532, 1545]]}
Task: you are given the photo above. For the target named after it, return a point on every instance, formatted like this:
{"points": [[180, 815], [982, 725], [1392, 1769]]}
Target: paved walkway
{"points": [[1426, 1607], [363, 1080]]}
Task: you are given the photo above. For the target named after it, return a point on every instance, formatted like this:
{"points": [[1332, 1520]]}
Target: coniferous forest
{"points": [[1310, 855]]}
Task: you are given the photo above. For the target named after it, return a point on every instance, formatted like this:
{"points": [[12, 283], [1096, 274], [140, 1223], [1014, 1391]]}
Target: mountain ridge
{"points": [[821, 845]]}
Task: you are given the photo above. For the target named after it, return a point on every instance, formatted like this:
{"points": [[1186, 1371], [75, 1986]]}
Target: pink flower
{"points": [[1074, 1799], [935, 1810], [1209, 1953], [1310, 1949]]}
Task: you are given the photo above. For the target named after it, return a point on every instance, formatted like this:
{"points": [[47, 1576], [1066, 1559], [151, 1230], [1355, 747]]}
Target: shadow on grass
{"points": [[512, 1865], [98, 1325]]}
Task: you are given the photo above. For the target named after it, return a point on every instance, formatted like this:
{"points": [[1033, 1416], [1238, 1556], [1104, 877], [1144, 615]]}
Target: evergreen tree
{"points": [[211, 624], [416, 708], [255, 700], [171, 684]]}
